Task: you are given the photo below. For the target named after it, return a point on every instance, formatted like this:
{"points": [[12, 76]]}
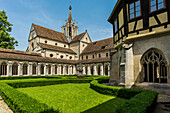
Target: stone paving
{"points": [[4, 107]]}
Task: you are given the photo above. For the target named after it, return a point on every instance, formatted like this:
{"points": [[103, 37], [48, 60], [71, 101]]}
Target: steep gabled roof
{"points": [[57, 48], [78, 37], [96, 60], [100, 45], [50, 34]]}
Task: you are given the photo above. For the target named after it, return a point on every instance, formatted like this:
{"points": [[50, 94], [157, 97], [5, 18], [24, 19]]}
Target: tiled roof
{"points": [[78, 37], [96, 60], [100, 45], [50, 34], [57, 48], [18, 52], [10, 55]]}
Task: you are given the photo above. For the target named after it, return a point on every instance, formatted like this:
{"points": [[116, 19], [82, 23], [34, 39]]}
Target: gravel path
{"points": [[4, 107]]}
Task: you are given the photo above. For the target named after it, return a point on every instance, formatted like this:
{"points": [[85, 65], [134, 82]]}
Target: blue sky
{"points": [[90, 14]]}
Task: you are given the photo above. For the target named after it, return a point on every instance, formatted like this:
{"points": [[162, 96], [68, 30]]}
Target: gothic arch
{"points": [[154, 66], [3, 68], [49, 69], [25, 69], [42, 69], [34, 68], [15, 68]]}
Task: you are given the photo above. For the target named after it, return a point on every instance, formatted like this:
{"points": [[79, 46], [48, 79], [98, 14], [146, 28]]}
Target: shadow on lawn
{"points": [[106, 107]]}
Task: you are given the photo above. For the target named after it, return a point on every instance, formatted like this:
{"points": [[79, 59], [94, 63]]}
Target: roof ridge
{"points": [[102, 40]]}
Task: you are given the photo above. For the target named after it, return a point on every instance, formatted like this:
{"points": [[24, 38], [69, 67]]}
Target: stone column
{"points": [[74, 69], [109, 70], [84, 69], [101, 69], [30, 68], [70, 70], [53, 69], [39, 69], [46, 69], [89, 70], [59, 70], [20, 69], [9, 68], [65, 69], [95, 69]]}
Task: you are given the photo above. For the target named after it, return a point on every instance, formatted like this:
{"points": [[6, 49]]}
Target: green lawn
{"points": [[74, 98]]}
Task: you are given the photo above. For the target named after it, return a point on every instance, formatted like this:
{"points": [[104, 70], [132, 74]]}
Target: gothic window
{"points": [[156, 5], [69, 31], [3, 68], [25, 69], [15, 69], [34, 69], [134, 9], [154, 67]]}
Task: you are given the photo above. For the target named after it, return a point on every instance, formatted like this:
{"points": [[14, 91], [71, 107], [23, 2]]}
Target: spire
{"points": [[70, 15]]}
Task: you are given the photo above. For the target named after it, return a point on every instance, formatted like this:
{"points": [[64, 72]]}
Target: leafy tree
{"points": [[5, 27]]}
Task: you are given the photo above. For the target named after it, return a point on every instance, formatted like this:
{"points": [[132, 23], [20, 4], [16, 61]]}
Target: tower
{"points": [[70, 29]]}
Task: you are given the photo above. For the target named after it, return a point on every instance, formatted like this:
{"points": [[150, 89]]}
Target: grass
{"points": [[74, 98]]}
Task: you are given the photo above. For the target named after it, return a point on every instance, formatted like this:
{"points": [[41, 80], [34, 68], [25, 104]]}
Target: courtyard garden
{"points": [[69, 94]]}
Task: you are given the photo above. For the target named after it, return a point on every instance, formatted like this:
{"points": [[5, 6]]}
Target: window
{"points": [[64, 45], [103, 47], [32, 46], [82, 57], [156, 5], [45, 41], [70, 57], [51, 55], [116, 25], [61, 56], [93, 56], [134, 9], [56, 44], [99, 55], [107, 54], [86, 57]]}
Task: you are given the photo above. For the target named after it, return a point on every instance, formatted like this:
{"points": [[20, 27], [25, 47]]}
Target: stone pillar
{"points": [[59, 70], [70, 70], [30, 68], [74, 69], [89, 70], [53, 69], [39, 69], [46, 69], [65, 70], [84, 69], [109, 70], [101, 69], [20, 69], [95, 70], [9, 68]]}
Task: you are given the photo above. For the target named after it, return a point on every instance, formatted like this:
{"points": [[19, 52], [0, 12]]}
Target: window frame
{"points": [[156, 6], [116, 29], [134, 10]]}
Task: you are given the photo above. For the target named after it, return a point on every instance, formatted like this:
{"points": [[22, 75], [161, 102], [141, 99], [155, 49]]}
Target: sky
{"points": [[91, 15]]}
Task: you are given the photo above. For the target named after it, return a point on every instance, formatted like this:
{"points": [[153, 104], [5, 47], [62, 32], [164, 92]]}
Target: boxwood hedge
{"points": [[22, 103], [141, 101]]}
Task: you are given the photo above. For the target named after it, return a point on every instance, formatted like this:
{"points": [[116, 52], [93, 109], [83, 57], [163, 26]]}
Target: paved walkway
{"points": [[3, 107]]}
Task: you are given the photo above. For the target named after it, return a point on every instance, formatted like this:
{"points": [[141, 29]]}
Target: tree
{"points": [[6, 41]]}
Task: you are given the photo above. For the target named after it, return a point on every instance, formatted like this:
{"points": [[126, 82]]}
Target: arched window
{"points": [[42, 69], [32, 46], [34, 67], [61, 69], [55, 69], [66, 69], [25, 69], [106, 69], [3, 68], [154, 66], [49, 69], [14, 69], [98, 70], [92, 69]]}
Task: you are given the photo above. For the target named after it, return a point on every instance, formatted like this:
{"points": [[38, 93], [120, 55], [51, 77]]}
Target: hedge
{"points": [[141, 101], [22, 103]]}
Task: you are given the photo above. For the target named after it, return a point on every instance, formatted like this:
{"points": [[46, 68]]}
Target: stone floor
{"points": [[3, 107]]}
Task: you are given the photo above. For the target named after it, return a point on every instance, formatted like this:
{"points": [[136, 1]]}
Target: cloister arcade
{"points": [[15, 68]]}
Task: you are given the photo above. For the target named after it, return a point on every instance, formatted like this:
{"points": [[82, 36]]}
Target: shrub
{"points": [[22, 103]]}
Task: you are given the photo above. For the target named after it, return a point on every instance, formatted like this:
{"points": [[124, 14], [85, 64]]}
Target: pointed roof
{"points": [[78, 37], [70, 15], [50, 34]]}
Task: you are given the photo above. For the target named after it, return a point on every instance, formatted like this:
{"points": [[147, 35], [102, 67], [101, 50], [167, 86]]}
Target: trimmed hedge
{"points": [[20, 84], [22, 103], [115, 91], [141, 101]]}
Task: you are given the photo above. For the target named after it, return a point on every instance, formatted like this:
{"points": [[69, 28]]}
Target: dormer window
{"points": [[134, 9], [156, 5], [116, 25]]}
